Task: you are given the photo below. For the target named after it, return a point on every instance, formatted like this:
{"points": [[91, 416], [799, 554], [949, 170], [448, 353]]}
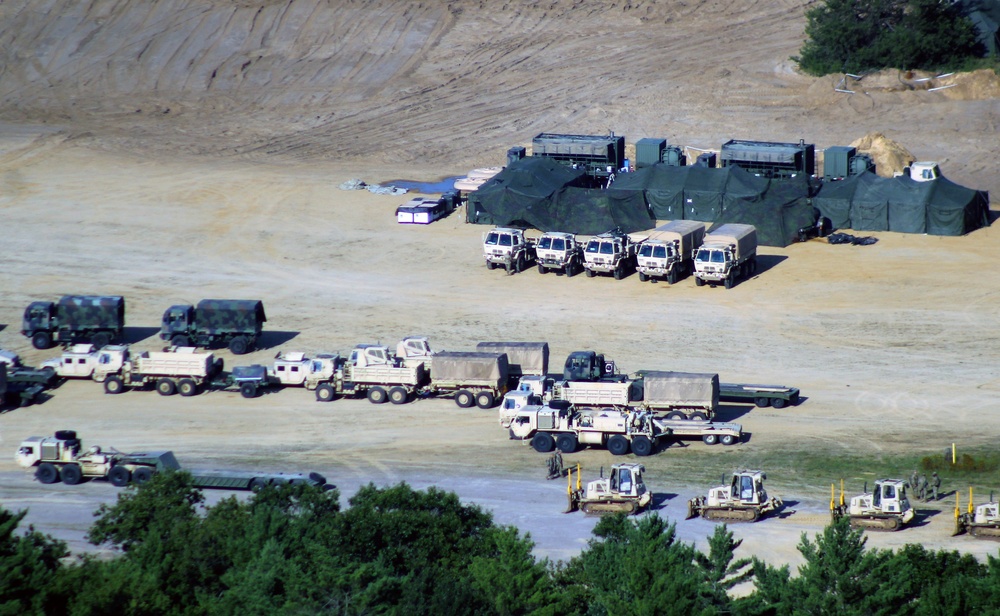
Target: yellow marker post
{"points": [[832, 495], [569, 482], [970, 499], [841, 492], [958, 503], [954, 459], [579, 477]]}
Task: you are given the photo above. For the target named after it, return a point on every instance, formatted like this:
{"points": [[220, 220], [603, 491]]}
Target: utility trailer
{"points": [[778, 396], [473, 378], [22, 386]]}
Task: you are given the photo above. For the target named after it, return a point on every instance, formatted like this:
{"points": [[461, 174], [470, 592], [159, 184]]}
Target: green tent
{"points": [[778, 215], [691, 193]]}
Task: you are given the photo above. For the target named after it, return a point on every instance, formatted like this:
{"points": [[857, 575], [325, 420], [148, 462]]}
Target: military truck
{"points": [[743, 500], [290, 369], [473, 378], [234, 322], [623, 492], [62, 459], [181, 370], [20, 385], [668, 252], [414, 350], [885, 508], [83, 361], [559, 252], [523, 358], [609, 253], [372, 370], [91, 318], [727, 254], [508, 248], [980, 520]]}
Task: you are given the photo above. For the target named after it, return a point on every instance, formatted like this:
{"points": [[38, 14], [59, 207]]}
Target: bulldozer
{"points": [[885, 508], [743, 500], [980, 520], [622, 492]]}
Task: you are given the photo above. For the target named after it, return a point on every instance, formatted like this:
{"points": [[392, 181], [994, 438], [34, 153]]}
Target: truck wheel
{"points": [[248, 390], [729, 281], [522, 263], [710, 439], [566, 443], [376, 395], [257, 484], [618, 445], [114, 385], [571, 269], [490, 265], [541, 268], [119, 476], [71, 474], [238, 345], [325, 393], [672, 277], [464, 398], [542, 442], [642, 446], [65, 435], [643, 277], [187, 387], [485, 400], [100, 339], [41, 340], [590, 273], [728, 439], [399, 395], [753, 265], [676, 415], [762, 402], [166, 387], [47, 473], [779, 403], [698, 282], [618, 273], [698, 416], [142, 475], [180, 341]]}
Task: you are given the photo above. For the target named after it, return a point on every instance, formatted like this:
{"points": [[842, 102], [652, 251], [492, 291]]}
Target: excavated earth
{"points": [[175, 150]]}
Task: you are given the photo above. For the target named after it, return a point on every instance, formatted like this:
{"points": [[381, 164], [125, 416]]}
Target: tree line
{"points": [[293, 550]]}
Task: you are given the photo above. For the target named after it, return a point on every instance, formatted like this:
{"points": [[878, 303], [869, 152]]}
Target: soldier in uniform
{"points": [[913, 482], [935, 484], [555, 465], [922, 487]]}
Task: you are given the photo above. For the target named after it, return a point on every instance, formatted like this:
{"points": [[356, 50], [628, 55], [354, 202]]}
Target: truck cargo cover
{"points": [[468, 366], [522, 357], [681, 388]]}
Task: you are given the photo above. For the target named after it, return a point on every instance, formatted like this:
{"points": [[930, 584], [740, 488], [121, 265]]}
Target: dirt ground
{"points": [[174, 151]]}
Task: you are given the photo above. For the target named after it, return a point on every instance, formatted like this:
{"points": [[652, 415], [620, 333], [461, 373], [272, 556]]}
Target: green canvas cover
{"points": [[520, 192], [590, 211], [777, 215], [956, 210], [691, 193]]}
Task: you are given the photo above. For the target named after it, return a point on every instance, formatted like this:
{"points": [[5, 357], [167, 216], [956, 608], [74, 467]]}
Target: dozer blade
{"points": [[743, 514], [572, 506], [609, 507]]}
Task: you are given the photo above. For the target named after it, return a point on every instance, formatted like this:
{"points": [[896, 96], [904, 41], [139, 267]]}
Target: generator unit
{"points": [[842, 161], [515, 154], [770, 159], [649, 151], [597, 156], [706, 159]]}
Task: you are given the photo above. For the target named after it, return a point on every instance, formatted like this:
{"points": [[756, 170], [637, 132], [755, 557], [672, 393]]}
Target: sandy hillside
{"points": [[173, 151]]}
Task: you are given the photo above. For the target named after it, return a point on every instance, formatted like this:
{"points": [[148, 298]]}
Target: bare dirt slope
{"points": [[173, 151]]}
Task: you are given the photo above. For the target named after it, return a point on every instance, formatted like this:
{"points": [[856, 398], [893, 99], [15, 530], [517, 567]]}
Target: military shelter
{"points": [[868, 202], [778, 215], [770, 159]]}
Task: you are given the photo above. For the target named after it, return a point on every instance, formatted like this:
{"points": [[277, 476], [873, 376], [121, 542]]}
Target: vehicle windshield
{"points": [[491, 239], [718, 256], [607, 248], [545, 243], [505, 240], [703, 255], [646, 250], [558, 244], [660, 252], [593, 246]]}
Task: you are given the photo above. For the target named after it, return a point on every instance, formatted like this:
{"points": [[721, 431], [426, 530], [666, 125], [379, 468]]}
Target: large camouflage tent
{"points": [[868, 202], [778, 215], [540, 193], [691, 193]]}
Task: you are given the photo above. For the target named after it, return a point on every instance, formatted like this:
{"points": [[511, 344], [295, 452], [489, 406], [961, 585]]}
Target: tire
{"points": [[642, 446], [257, 484], [779, 403], [672, 277], [698, 416], [180, 340], [571, 270], [698, 282], [566, 443], [710, 439], [325, 393], [49, 372], [762, 402], [753, 266], [728, 282], [100, 340], [41, 340], [590, 273], [618, 445], [464, 398], [114, 385], [71, 474], [490, 265], [542, 442], [676, 415], [643, 277], [166, 387], [142, 475], [47, 473], [728, 439], [541, 268], [119, 476], [485, 400], [522, 263], [377, 395], [187, 388], [239, 345], [618, 273], [65, 435], [248, 390], [399, 395]]}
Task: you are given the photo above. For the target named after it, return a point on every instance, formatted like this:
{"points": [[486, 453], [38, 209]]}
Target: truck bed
{"points": [[735, 392]]}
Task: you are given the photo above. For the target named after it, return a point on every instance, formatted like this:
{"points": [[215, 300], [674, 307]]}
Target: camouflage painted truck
{"points": [[668, 252], [236, 323], [62, 458], [182, 370], [99, 319], [727, 254]]}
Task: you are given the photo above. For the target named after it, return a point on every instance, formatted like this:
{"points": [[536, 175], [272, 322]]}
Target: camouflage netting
{"points": [[522, 357], [230, 315], [680, 388], [469, 366], [870, 203]]}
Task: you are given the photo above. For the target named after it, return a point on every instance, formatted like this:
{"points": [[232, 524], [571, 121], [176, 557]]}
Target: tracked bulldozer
{"points": [[885, 508], [622, 492], [743, 500], [980, 520]]}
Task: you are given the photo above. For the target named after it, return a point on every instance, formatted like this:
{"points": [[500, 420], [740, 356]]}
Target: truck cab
{"points": [[587, 366], [508, 248], [716, 259], [84, 361], [39, 318], [609, 253], [413, 350], [178, 321], [365, 355], [557, 251]]}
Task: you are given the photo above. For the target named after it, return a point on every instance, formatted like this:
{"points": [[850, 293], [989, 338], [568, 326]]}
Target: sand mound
{"points": [[888, 155]]}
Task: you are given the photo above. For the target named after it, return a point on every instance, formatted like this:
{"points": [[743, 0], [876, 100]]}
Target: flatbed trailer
{"points": [[21, 386], [778, 396], [711, 433], [237, 480]]}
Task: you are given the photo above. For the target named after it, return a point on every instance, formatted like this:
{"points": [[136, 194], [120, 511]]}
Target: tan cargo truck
{"points": [[473, 378], [668, 252], [727, 254], [181, 369]]}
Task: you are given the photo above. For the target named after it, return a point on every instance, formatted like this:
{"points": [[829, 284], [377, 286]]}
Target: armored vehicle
{"points": [[609, 253], [234, 322], [83, 361], [668, 252], [559, 252], [885, 508], [508, 248], [728, 254], [290, 369], [75, 318], [743, 500], [622, 492]]}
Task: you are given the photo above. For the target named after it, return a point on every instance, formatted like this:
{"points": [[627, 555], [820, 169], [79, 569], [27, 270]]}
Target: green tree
{"points": [[719, 570], [29, 567]]}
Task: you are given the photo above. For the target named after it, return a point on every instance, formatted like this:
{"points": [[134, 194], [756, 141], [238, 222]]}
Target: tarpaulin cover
{"points": [[778, 215], [522, 191], [522, 357], [691, 193], [452, 366], [681, 388], [867, 202], [223, 315]]}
